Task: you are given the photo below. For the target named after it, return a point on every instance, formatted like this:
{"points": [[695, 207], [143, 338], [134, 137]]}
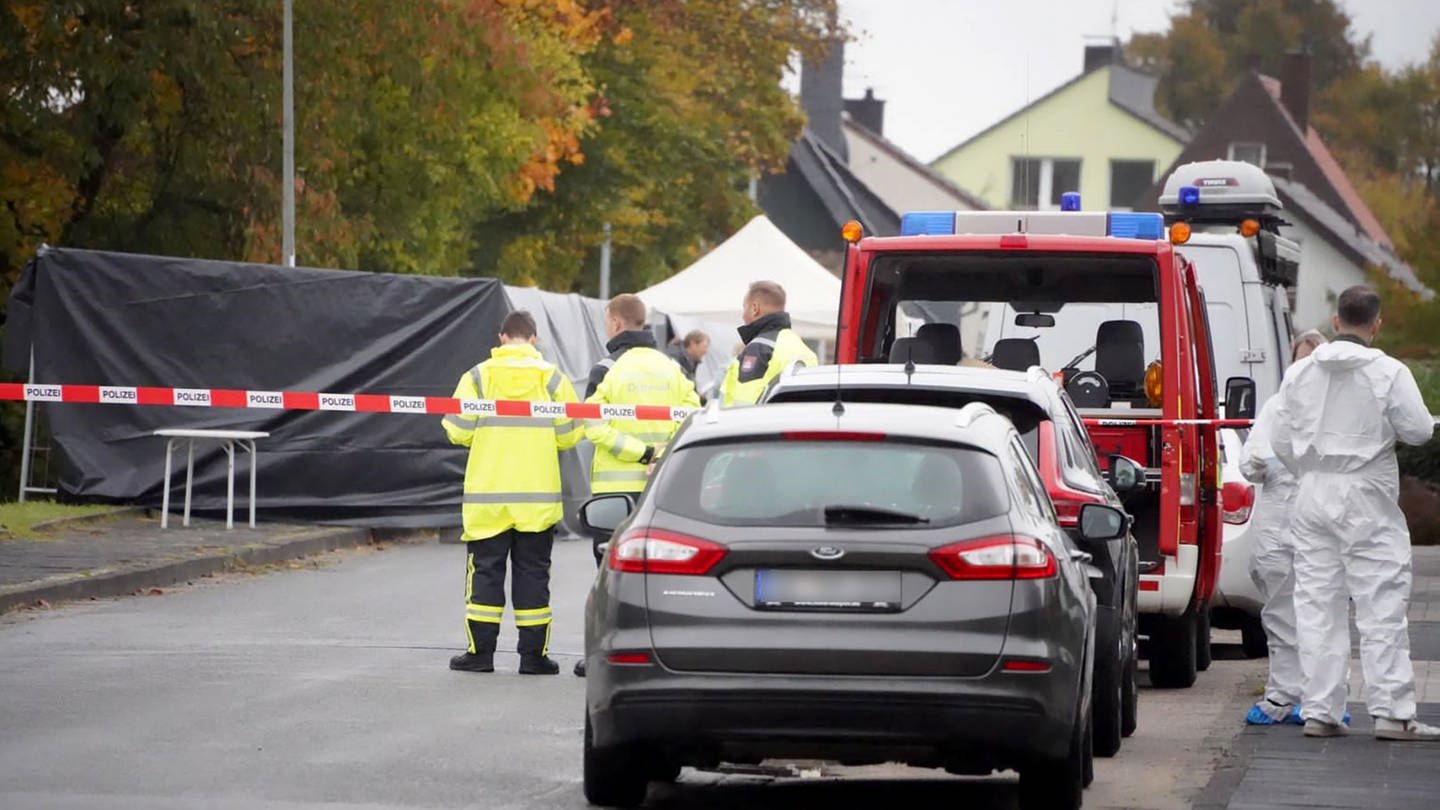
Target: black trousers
{"points": [[529, 555]]}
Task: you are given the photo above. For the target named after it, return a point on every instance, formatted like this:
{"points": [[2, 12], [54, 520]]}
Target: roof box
{"points": [[1219, 190]]}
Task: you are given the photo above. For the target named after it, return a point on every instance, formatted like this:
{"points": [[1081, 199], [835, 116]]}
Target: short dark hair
{"points": [[1358, 306], [628, 308], [769, 294], [696, 336], [519, 324]]}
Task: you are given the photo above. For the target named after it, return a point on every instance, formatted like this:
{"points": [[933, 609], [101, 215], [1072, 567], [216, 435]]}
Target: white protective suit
{"points": [[1272, 561], [1340, 413]]}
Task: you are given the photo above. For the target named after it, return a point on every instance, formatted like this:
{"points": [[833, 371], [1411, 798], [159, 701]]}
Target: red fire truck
{"points": [[1104, 302]]}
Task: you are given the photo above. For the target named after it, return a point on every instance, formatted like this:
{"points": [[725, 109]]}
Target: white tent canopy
{"points": [[713, 288]]}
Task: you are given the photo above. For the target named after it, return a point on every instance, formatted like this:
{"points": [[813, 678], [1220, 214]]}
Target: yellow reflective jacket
{"points": [[635, 373], [512, 478], [771, 346]]}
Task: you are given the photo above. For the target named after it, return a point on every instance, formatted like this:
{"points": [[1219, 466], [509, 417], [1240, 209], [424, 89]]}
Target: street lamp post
{"points": [[287, 123]]}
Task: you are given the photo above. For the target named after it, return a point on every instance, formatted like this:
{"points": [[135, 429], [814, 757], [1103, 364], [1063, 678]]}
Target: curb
{"points": [[122, 582]]}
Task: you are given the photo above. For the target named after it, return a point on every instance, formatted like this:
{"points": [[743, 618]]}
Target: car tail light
{"points": [[1002, 557], [633, 659], [1025, 665], [1067, 512], [1237, 500], [652, 551]]}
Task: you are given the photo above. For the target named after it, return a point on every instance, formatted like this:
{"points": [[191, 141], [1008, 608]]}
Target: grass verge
{"points": [[17, 520]]}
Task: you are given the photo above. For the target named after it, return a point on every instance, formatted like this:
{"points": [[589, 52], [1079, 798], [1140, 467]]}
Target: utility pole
{"points": [[287, 123], [605, 265]]}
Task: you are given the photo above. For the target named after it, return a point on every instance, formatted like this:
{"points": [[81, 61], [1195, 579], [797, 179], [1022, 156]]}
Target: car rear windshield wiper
{"points": [[846, 513]]}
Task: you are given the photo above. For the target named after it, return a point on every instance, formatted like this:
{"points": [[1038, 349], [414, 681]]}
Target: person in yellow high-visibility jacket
{"points": [[512, 497], [635, 373], [771, 346]]}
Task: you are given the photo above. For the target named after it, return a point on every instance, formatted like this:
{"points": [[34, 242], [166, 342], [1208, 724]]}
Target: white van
{"points": [[1224, 218]]}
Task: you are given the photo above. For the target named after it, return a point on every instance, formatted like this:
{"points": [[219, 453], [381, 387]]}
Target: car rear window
{"points": [[1024, 414], [777, 482]]}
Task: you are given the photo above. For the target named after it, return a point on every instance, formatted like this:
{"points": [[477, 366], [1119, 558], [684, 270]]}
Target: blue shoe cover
{"points": [[1257, 717]]}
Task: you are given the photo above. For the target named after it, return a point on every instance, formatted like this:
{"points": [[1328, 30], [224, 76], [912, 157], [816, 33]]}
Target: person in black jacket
{"points": [[690, 351]]}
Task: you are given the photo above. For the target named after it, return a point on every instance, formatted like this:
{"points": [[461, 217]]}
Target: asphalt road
{"points": [[328, 686]]}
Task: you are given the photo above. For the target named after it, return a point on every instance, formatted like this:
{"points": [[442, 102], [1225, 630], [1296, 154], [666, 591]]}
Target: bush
{"points": [[1420, 501]]}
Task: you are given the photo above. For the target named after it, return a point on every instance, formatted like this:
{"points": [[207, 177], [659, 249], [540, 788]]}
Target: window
{"points": [[770, 482], [1037, 183], [1032, 490], [1252, 153], [1128, 180]]}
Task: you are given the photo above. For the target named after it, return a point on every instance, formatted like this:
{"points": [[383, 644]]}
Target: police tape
{"points": [[318, 401], [1102, 422]]}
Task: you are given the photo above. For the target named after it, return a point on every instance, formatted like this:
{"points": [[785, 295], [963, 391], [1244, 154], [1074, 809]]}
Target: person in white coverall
{"points": [[1272, 559], [1340, 413]]}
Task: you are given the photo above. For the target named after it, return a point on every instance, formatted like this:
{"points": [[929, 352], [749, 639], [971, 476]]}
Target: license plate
{"points": [[827, 590]]}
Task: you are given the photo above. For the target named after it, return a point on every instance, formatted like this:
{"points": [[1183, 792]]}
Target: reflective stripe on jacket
{"points": [[638, 374], [512, 477], [771, 346]]}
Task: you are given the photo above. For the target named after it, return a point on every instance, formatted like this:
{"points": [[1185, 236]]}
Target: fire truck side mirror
{"points": [[1240, 398]]}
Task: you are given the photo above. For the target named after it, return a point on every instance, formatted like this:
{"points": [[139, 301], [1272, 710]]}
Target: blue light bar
{"points": [[1189, 196], [1070, 201], [1136, 225], [927, 223]]}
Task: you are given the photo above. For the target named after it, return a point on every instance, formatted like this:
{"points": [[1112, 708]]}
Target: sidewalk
{"points": [[121, 554], [1277, 767]]}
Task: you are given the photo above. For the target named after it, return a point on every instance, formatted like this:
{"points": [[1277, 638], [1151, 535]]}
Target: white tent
{"points": [[713, 288]]}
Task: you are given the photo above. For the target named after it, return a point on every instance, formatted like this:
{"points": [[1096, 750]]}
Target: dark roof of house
{"points": [[844, 195], [1346, 236], [911, 162], [1330, 168], [1130, 89]]}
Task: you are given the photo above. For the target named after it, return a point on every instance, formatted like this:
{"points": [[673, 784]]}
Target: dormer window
{"points": [[1252, 153]]}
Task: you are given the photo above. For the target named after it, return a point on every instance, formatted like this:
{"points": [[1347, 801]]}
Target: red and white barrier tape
{"points": [[308, 401], [1233, 423]]}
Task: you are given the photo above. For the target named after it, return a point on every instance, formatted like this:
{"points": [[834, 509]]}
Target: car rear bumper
{"points": [[993, 722]]}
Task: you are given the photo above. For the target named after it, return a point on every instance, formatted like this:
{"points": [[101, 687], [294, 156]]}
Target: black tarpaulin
{"points": [[120, 319]]}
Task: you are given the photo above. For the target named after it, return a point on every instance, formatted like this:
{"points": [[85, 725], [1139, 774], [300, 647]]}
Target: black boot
{"points": [[538, 665], [580, 668], [473, 662]]}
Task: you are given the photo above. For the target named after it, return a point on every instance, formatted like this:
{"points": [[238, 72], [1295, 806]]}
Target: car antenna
{"points": [[909, 367], [839, 409]]}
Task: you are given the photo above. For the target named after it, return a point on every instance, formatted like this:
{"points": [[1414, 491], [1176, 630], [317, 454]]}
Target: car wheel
{"points": [[1047, 784], [1107, 699], [1253, 639], [613, 776], [1202, 639], [1172, 652], [1130, 699]]}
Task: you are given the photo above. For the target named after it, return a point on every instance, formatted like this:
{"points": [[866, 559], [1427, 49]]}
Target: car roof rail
{"points": [[967, 415]]}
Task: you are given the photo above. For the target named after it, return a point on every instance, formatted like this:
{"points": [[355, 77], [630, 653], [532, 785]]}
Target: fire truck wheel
{"points": [[1202, 639], [1172, 651]]}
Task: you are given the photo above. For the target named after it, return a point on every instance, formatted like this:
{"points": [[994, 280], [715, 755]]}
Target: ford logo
{"points": [[827, 553]]}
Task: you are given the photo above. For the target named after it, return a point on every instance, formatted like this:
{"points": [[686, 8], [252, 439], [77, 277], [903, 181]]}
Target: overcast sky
{"points": [[949, 68]]}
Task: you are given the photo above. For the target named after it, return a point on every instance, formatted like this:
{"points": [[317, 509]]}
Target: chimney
{"points": [[1100, 54], [821, 95], [868, 112], [1295, 87]]}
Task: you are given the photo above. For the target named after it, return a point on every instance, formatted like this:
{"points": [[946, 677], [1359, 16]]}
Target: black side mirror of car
{"points": [[1125, 474], [1240, 398], [601, 514], [1099, 522]]}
